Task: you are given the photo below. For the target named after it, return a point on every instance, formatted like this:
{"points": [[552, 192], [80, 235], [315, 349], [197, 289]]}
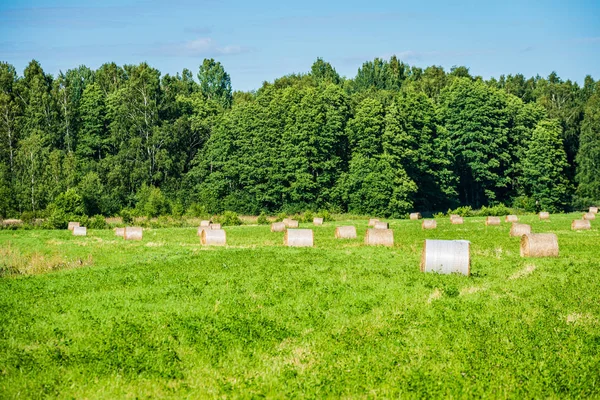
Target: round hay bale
{"points": [[11, 222], [317, 221], [539, 245], [517, 229], [133, 233], [120, 232], [429, 224], [581, 225], [379, 237], [589, 216], [458, 220], [205, 223], [415, 216], [80, 231], [544, 216], [73, 225], [593, 210], [372, 221], [277, 227], [345, 232], [213, 237], [381, 225], [298, 238], [453, 216], [201, 229], [492, 221], [291, 223], [511, 218], [446, 257], [215, 226]]}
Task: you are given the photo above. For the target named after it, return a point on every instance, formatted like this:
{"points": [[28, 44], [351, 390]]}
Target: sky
{"points": [[259, 41]]}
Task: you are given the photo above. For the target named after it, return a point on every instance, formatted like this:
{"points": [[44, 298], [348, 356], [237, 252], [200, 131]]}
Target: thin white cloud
{"points": [[199, 47]]}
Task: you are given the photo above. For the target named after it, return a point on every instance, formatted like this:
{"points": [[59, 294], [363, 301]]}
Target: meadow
{"points": [[99, 317]]}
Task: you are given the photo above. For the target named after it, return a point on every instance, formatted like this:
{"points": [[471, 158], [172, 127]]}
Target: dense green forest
{"points": [[395, 138]]}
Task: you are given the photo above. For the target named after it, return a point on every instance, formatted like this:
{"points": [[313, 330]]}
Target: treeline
{"points": [[394, 138]]}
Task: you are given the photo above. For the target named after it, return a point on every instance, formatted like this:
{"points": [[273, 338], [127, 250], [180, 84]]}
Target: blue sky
{"points": [[263, 40]]}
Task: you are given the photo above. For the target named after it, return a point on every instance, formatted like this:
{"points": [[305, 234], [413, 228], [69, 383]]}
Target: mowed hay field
{"points": [[98, 317]]}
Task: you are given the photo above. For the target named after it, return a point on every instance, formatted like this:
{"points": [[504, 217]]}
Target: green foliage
{"points": [[326, 215], [588, 156], [151, 202], [215, 83], [262, 219], [69, 202], [127, 215], [229, 218], [196, 210], [281, 216], [544, 168], [465, 211], [97, 222]]}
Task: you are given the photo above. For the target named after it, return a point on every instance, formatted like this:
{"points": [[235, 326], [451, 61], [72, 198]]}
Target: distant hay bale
{"points": [[379, 237], [492, 221], [205, 223], [213, 237], [372, 221], [452, 216], [429, 224], [415, 216], [133, 233], [298, 238], [511, 218], [539, 245], [446, 256], [345, 232], [215, 226], [589, 216], [277, 227], [519, 229], [381, 225], [593, 210], [317, 221], [120, 232], [457, 220], [581, 225], [11, 222], [73, 225], [80, 231], [291, 223], [544, 215]]}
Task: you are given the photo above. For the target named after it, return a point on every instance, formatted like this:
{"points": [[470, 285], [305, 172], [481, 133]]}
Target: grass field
{"points": [[97, 317]]}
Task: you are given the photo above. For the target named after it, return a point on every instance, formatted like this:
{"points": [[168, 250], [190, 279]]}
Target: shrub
{"points": [[307, 217], [69, 202], [326, 215], [229, 218], [465, 211], [97, 222], [262, 219], [197, 210], [281, 216], [127, 215]]}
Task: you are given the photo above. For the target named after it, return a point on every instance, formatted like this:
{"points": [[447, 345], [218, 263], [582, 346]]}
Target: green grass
{"points": [[165, 317]]}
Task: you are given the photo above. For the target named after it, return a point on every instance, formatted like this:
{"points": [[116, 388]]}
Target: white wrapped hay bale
{"points": [[80, 231], [457, 220], [120, 232], [277, 227], [581, 225], [298, 238], [511, 218], [381, 225], [133, 233], [492, 221], [446, 257], [429, 224], [215, 226], [415, 216], [202, 229], [291, 223], [317, 221], [372, 221], [589, 216], [345, 232], [539, 245], [517, 229], [213, 237], [593, 210], [73, 225], [544, 215], [379, 237], [205, 223]]}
